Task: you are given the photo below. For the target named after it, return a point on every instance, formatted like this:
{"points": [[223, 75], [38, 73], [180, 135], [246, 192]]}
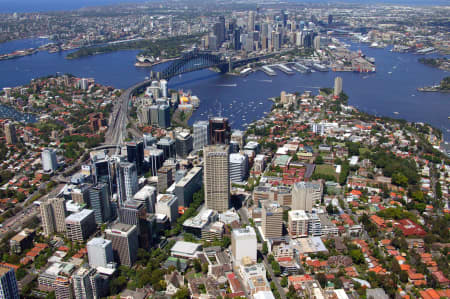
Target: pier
{"points": [[266, 69], [284, 69]]}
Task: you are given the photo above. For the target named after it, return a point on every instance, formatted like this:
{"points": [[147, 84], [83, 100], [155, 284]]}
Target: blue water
{"points": [[244, 100]]}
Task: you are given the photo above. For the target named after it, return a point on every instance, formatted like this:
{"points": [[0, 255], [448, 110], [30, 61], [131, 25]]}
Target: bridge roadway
{"points": [[116, 132]]}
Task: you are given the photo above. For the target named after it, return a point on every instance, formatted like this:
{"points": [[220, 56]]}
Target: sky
{"points": [[9, 6]]}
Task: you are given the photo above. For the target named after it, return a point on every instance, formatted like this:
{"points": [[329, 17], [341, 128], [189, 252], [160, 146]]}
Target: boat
{"points": [[320, 67], [396, 113]]}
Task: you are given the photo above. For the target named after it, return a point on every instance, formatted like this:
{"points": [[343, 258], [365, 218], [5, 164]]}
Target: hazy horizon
{"points": [[10, 6]]}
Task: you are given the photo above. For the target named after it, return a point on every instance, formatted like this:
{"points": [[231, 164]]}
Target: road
{"points": [[274, 278], [116, 132]]}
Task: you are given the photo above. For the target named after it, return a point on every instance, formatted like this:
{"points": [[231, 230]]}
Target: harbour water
{"points": [[391, 91]]}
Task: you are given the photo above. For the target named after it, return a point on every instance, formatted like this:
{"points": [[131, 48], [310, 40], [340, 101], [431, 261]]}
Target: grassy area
{"points": [[324, 169], [180, 118]]}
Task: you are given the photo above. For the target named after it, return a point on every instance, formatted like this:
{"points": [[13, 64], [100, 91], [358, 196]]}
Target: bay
{"points": [[391, 91]]}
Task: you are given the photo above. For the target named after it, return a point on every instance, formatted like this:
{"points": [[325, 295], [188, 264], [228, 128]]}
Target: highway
{"points": [[116, 132]]}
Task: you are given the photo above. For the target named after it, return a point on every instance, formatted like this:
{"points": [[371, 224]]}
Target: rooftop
{"points": [[80, 216]]}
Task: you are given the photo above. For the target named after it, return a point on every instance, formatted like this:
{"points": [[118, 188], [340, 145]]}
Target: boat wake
{"points": [[227, 85]]}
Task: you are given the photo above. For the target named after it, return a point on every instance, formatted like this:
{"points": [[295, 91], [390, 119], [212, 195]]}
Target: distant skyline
{"points": [[10, 6]]}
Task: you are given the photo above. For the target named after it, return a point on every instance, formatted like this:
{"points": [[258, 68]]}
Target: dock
{"points": [[266, 69], [301, 68], [284, 69]]}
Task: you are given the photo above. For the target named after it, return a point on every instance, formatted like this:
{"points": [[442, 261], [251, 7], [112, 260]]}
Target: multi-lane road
{"points": [[116, 132]]}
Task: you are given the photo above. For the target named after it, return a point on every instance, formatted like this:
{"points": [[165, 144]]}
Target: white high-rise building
{"points": [[298, 223], [243, 244], [147, 195], [49, 161], [337, 86], [251, 21], [167, 204], [100, 252], [305, 195], [238, 167], [201, 134], [127, 181], [163, 86]]}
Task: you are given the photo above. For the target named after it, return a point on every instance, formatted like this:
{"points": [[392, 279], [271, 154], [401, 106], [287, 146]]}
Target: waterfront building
{"points": [[217, 177], [337, 86]]}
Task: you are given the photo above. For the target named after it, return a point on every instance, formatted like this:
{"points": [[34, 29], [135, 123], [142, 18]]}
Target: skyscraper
{"points": [[100, 252], [168, 146], [124, 240], [337, 86], [272, 220], [81, 225], [219, 130], [164, 116], [251, 21], [10, 133], [201, 134], [134, 213], [238, 167], [163, 85], [217, 177], [8, 284], [147, 196], [100, 202], [82, 283], [135, 154], [127, 181], [243, 244], [237, 39], [305, 195], [53, 214], [183, 144], [165, 178], [49, 161]]}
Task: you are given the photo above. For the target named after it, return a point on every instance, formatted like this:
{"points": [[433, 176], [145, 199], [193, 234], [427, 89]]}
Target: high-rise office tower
{"points": [[8, 284], [165, 178], [164, 90], [127, 181], [201, 134], [272, 220], [217, 177], [337, 86], [330, 19], [155, 159], [251, 21], [53, 214], [81, 225], [124, 240], [49, 161], [183, 144], [135, 154], [82, 283], [134, 213], [238, 167], [317, 42], [147, 196], [219, 130], [154, 111], [243, 244], [10, 133], [149, 140], [164, 116], [237, 39], [284, 17], [168, 146], [63, 287], [276, 40], [100, 252], [100, 202], [305, 195]]}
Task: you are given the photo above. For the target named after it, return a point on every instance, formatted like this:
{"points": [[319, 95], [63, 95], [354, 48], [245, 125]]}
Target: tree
{"points": [[404, 276], [197, 266], [264, 249], [319, 159], [357, 256], [182, 293], [321, 278], [284, 281]]}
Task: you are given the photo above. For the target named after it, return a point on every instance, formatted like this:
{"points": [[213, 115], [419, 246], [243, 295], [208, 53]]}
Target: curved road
{"points": [[117, 128]]}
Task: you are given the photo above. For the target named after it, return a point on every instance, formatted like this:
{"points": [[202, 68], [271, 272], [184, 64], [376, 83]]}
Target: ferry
{"points": [[268, 70], [245, 71]]}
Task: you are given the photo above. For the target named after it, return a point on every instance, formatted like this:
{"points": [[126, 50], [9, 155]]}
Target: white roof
{"points": [[80, 215], [185, 247], [263, 295]]}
